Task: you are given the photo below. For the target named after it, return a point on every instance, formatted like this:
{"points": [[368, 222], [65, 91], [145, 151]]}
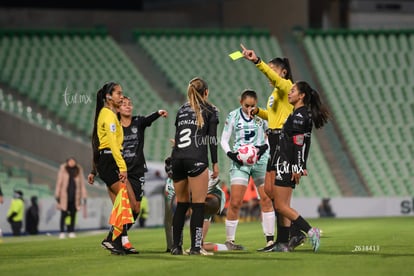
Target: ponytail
{"points": [[196, 92], [100, 102], [284, 64], [320, 114]]}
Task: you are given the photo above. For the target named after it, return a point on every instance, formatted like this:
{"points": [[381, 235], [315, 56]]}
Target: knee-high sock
{"points": [[111, 231], [135, 215], [282, 231], [178, 222], [125, 239], [268, 225], [168, 218], [302, 224], [196, 225], [294, 230], [283, 234], [231, 227]]}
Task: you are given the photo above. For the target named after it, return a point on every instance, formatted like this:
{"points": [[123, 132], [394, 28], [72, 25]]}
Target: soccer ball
{"points": [[247, 154]]}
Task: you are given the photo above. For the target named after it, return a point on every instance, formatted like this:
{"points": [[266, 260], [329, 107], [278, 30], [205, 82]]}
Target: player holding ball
{"points": [[248, 130]]}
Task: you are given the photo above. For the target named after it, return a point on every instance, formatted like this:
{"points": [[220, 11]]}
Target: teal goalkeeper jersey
{"points": [[245, 130]]}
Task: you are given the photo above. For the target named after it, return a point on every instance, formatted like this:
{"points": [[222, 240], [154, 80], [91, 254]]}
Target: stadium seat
{"points": [[43, 65], [369, 98], [186, 54]]}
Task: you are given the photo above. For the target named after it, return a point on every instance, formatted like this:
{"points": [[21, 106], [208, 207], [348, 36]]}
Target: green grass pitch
{"points": [[370, 246]]}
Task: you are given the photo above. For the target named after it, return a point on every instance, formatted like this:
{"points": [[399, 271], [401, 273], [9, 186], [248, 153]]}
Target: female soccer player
{"points": [[247, 129], [295, 141], [133, 152], [196, 131], [215, 200], [278, 109], [107, 139]]}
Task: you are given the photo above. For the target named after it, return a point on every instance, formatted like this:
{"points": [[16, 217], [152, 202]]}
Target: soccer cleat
{"points": [[205, 252], [128, 249], [280, 247], [105, 244], [72, 235], [62, 235], [112, 247], [177, 251], [295, 241], [268, 248], [232, 246], [196, 252], [314, 238]]}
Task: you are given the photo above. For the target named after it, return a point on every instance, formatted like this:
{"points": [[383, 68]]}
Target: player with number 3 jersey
{"points": [[196, 132]]}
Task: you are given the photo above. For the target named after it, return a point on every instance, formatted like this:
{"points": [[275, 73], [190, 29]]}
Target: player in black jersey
{"points": [[196, 132], [133, 151], [293, 151]]}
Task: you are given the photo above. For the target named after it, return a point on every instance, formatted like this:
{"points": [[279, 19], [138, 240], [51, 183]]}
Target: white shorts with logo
{"points": [[241, 174]]}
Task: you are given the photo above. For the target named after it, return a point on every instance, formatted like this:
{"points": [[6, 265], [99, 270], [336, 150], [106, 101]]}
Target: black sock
{"points": [[109, 237], [196, 225], [129, 225], [282, 234], [118, 242], [302, 224], [178, 222], [279, 228], [295, 231], [124, 230], [270, 238]]}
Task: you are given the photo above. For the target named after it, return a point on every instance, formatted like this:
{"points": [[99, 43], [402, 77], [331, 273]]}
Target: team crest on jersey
{"points": [[258, 122], [299, 139], [134, 129], [112, 127]]}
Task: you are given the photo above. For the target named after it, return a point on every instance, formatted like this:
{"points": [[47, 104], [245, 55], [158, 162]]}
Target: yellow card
{"points": [[236, 55]]}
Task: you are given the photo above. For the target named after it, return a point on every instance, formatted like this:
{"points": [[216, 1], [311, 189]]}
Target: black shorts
{"points": [[183, 168], [108, 169], [284, 180], [273, 138], [137, 182]]}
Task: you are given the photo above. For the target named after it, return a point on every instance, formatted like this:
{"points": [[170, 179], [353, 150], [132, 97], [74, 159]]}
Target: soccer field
{"points": [[374, 246]]}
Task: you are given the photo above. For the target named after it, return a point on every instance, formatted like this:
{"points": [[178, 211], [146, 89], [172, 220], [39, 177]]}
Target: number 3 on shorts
{"points": [[184, 140]]}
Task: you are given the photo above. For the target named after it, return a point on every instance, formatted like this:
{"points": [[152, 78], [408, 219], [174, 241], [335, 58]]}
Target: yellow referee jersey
{"points": [[111, 135], [278, 106]]}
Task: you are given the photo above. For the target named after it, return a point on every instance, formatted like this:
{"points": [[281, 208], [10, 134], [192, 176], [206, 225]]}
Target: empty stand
{"points": [[61, 71], [367, 78]]}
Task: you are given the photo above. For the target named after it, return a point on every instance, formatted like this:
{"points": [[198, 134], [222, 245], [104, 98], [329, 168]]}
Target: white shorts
{"points": [[240, 175]]}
